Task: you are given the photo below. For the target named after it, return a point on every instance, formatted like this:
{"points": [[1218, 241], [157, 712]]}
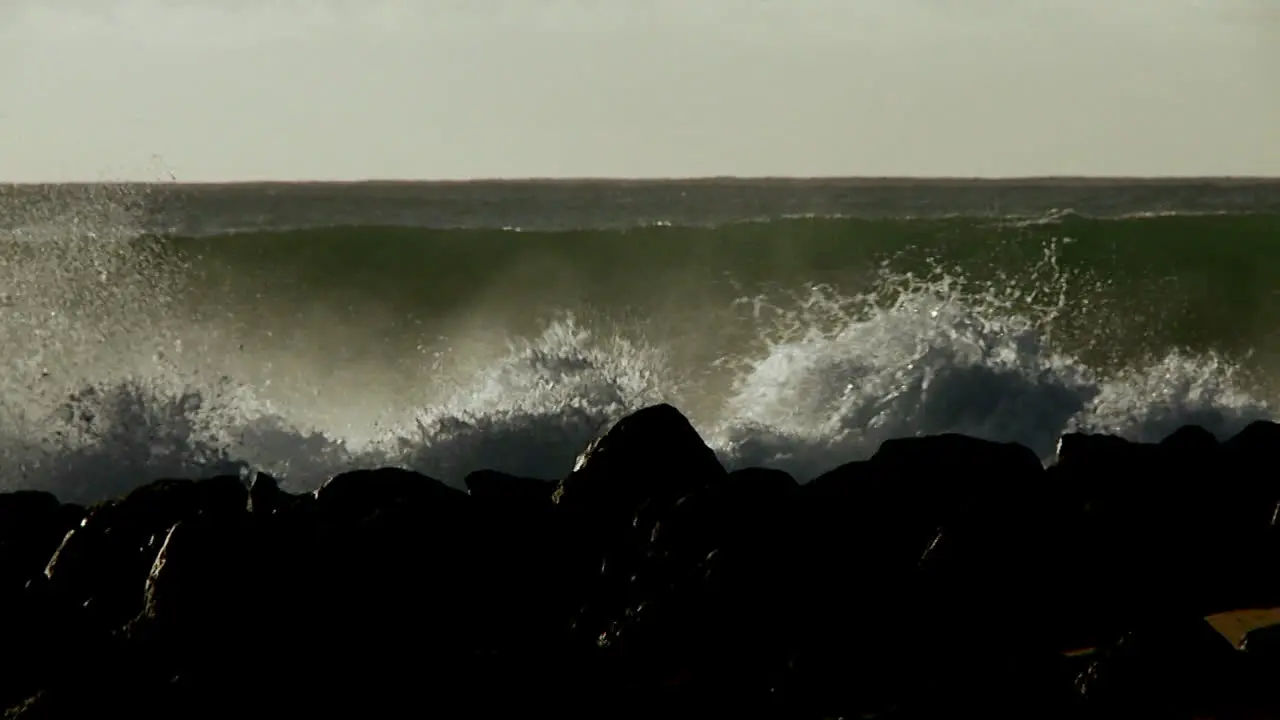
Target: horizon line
{"points": [[605, 179]]}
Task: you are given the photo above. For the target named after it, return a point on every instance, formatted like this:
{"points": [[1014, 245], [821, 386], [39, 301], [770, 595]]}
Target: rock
{"points": [[396, 552], [652, 456], [887, 513], [1257, 492], [726, 547], [1152, 538], [224, 497], [501, 490], [361, 494], [1256, 442], [265, 495], [643, 523], [752, 507], [1175, 667], [103, 564], [16, 507], [32, 525], [624, 484], [943, 576], [1191, 442], [1263, 643], [198, 583], [514, 548], [159, 504], [202, 604]]}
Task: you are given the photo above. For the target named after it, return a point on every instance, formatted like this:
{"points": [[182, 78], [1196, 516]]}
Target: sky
{"points": [[225, 90]]}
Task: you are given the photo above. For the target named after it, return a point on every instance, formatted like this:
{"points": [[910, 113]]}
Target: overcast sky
{"points": [[347, 89]]}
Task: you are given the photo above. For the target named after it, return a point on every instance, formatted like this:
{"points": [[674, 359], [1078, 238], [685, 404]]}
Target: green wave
{"points": [[1127, 285]]}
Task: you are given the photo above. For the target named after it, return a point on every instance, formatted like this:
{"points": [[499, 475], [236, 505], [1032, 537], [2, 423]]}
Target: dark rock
{"points": [[16, 507], [872, 528], [1191, 441], [653, 456], [1256, 442], [1170, 667], [1180, 521], [1263, 643], [103, 564], [944, 576], [501, 490], [32, 525], [612, 504], [265, 495], [198, 581], [1257, 494], [360, 494], [222, 497], [695, 606]]}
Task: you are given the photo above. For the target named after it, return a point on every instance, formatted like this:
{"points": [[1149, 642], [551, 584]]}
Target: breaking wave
{"points": [[104, 389]]}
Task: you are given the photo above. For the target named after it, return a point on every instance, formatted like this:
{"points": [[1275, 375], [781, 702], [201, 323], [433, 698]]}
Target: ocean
{"points": [[184, 330]]}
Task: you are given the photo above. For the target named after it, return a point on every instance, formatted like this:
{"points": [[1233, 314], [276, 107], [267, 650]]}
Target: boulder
{"points": [[1170, 667], [653, 456]]}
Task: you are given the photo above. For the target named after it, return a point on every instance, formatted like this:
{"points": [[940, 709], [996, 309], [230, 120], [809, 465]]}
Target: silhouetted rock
{"points": [[357, 495], [944, 576], [1264, 643], [265, 495], [647, 460], [1169, 667], [32, 525], [501, 490]]}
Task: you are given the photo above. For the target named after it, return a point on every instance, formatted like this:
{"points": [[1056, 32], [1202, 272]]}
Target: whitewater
{"points": [[110, 380]]}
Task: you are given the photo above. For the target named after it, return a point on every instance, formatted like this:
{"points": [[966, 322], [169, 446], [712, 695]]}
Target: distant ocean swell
{"points": [[798, 343]]}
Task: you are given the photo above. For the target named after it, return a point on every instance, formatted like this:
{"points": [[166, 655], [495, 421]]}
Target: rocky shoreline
{"points": [[944, 577]]}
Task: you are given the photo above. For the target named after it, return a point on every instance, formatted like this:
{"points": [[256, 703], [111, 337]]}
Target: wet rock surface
{"points": [[944, 577]]}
